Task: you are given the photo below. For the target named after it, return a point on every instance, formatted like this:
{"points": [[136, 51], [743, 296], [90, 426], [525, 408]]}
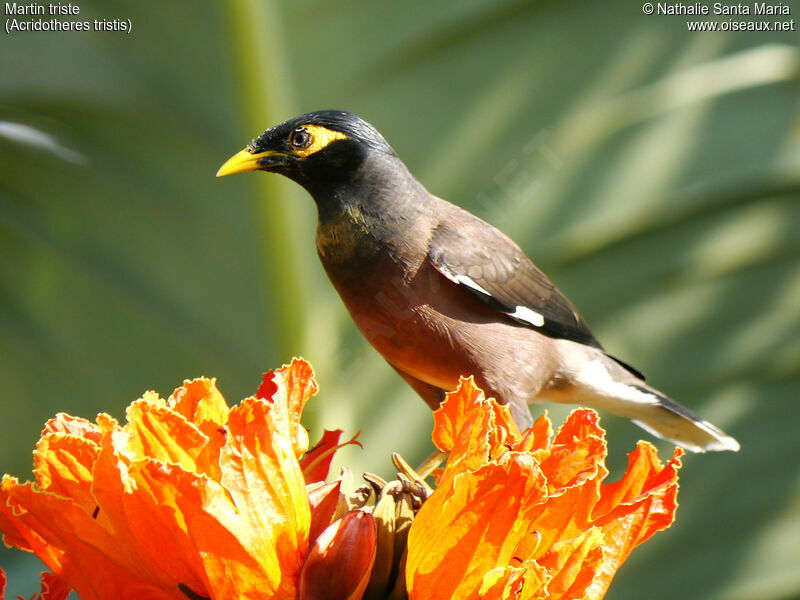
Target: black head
{"points": [[317, 149]]}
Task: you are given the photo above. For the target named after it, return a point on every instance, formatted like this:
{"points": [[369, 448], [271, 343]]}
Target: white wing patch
{"points": [[523, 313], [460, 279], [464, 280]]}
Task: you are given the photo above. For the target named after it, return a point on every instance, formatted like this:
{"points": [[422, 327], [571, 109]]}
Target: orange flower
{"points": [[521, 516], [188, 499], [193, 499]]}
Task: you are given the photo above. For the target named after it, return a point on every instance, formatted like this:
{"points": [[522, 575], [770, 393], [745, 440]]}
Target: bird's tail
{"points": [[629, 397], [671, 421]]}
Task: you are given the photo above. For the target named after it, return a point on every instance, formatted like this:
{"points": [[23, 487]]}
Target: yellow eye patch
{"points": [[321, 137]]}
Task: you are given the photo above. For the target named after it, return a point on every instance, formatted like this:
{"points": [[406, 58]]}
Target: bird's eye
{"points": [[300, 138]]}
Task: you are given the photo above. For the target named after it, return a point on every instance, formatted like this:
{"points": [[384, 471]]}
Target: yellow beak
{"points": [[243, 161]]}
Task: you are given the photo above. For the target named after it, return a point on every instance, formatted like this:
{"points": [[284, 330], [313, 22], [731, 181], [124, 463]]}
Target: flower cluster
{"points": [[527, 515], [193, 499]]}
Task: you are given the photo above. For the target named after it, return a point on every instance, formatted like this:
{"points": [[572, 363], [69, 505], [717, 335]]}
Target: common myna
{"points": [[440, 293]]}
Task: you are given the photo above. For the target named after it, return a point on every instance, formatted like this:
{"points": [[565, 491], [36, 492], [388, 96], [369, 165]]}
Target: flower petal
{"points": [[63, 465], [263, 477], [316, 462], [53, 587], [200, 402], [295, 383], [236, 560], [463, 531], [75, 547], [574, 468], [572, 564], [537, 437], [644, 474], [291, 386], [636, 517], [64, 423], [453, 414], [138, 503], [19, 527], [528, 582], [577, 453], [323, 500], [461, 427], [160, 433]]}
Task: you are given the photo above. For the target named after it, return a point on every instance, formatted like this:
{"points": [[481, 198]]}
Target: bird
{"points": [[442, 294]]}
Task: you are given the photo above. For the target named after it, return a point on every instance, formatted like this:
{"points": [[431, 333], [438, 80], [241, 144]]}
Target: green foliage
{"points": [[652, 172]]}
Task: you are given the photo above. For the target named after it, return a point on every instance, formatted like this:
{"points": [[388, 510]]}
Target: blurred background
{"points": [[653, 173]]}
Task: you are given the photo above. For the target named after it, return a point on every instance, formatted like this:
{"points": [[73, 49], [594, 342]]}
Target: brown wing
{"points": [[472, 253], [485, 261]]}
